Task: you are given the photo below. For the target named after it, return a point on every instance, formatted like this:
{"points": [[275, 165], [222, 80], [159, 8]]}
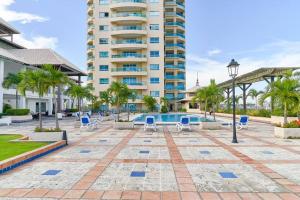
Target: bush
{"points": [[6, 107], [293, 124], [17, 112], [37, 129], [73, 110], [164, 109], [182, 110]]}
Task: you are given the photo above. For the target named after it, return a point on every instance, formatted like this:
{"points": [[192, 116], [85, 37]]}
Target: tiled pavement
{"points": [[120, 164]]}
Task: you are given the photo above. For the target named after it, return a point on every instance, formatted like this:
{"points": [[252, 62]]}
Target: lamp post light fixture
{"points": [[233, 70]]}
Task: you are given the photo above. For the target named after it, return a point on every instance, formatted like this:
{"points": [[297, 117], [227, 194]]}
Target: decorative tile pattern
{"points": [[131, 152], [205, 153]]}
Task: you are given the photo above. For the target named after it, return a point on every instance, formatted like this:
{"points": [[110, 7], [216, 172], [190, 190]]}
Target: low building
{"points": [[14, 58]]}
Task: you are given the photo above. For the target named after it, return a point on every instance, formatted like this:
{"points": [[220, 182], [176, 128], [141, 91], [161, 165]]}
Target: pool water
{"points": [[170, 118]]}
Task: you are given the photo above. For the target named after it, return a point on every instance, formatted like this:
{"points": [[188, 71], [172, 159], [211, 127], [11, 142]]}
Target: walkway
{"points": [[114, 164]]}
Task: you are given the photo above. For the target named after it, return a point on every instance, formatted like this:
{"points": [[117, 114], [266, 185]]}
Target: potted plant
{"points": [[290, 130]]}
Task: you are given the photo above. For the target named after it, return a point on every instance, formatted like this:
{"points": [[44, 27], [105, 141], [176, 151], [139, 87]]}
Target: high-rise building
{"points": [[140, 43]]}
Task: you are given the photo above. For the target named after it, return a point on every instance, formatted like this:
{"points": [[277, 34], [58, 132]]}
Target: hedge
{"points": [[17, 112]]}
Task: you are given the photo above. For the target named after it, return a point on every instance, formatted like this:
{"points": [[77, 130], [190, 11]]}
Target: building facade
{"points": [[140, 43]]}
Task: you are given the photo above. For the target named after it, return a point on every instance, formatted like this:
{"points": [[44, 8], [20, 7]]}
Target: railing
{"points": [[89, 68], [174, 98], [175, 35], [90, 37], [174, 77], [175, 56], [174, 2], [129, 15], [131, 41], [129, 55], [118, 28], [129, 69], [90, 47], [173, 14], [129, 1], [175, 24], [175, 45], [175, 66], [136, 83], [175, 87]]}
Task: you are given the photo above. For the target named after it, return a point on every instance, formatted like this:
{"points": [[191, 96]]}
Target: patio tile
{"points": [[55, 194], [92, 194], [206, 153], [112, 195], [84, 152], [37, 193], [147, 141], [19, 192], [229, 196], [288, 196], [267, 196], [150, 195], [290, 171], [132, 195], [74, 194], [170, 196], [190, 196]]}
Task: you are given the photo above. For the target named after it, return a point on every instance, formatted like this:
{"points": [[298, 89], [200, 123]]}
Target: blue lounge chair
{"points": [[184, 123], [150, 123], [86, 123], [243, 123]]}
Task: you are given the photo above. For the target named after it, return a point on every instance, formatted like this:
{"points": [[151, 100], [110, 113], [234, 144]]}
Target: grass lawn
{"points": [[10, 149]]}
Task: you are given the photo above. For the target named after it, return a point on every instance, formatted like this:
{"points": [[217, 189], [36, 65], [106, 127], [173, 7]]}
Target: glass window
{"points": [[154, 93], [154, 66], [154, 40], [154, 1], [103, 54], [154, 27], [103, 68], [153, 13], [103, 81], [103, 2], [154, 53], [103, 27], [103, 40], [154, 80], [103, 14]]}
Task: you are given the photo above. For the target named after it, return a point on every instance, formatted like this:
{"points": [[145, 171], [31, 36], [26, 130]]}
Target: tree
{"points": [[120, 94], [150, 103], [55, 79], [284, 91], [165, 104], [201, 97], [12, 80], [35, 81], [105, 98], [215, 96], [254, 94]]}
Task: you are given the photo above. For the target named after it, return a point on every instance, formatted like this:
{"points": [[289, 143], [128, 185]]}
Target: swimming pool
{"points": [[169, 118]]}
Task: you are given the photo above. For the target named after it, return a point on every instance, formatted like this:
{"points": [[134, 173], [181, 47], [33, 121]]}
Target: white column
{"points": [[50, 106], [1, 80], [23, 102]]}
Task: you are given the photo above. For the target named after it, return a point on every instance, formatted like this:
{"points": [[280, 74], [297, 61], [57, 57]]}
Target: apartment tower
{"points": [[140, 43]]}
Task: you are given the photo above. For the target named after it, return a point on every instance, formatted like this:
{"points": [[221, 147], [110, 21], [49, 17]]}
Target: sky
{"points": [[257, 33]]}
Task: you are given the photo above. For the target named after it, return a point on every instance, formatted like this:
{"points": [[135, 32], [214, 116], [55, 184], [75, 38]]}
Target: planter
{"points": [[280, 119], [210, 125], [22, 118], [5, 120], [124, 125], [45, 136], [287, 132]]}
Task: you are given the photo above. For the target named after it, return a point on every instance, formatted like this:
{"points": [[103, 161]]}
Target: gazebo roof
{"points": [[7, 29], [258, 75]]}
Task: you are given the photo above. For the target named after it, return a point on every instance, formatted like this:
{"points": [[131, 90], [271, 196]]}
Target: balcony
{"points": [[174, 98], [175, 24], [128, 4], [129, 71], [129, 44], [175, 56], [175, 14], [129, 17], [90, 60], [175, 67], [137, 85], [90, 2], [175, 35], [91, 29], [175, 77], [175, 3], [132, 57], [90, 68], [129, 31], [90, 20], [90, 49], [172, 88], [172, 46], [90, 40], [90, 10]]}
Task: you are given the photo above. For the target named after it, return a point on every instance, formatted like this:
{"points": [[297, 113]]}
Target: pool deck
{"points": [[133, 164]]}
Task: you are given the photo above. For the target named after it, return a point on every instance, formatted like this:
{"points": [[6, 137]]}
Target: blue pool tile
{"points": [[145, 152], [51, 172], [85, 151], [147, 141], [137, 174], [267, 152], [227, 175], [204, 152]]}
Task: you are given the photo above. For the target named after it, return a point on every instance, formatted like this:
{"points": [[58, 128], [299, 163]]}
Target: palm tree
{"points": [[12, 80], [35, 81], [55, 79], [202, 96], [254, 94], [150, 102], [215, 95], [284, 91], [105, 98]]}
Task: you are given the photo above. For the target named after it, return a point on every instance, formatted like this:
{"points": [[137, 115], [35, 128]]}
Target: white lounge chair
{"points": [[184, 123], [150, 123], [243, 123], [86, 123]]}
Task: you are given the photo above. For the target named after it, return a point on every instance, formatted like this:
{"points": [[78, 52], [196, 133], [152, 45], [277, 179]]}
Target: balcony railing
{"points": [[131, 41], [129, 15], [90, 47], [129, 55], [134, 83], [175, 35], [175, 45], [90, 68], [128, 69], [175, 87], [173, 14], [174, 2], [127, 28], [175, 24], [174, 77], [179, 66], [129, 1], [175, 56], [172, 97]]}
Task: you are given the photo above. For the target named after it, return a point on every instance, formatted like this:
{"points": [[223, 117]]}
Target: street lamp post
{"points": [[233, 70]]}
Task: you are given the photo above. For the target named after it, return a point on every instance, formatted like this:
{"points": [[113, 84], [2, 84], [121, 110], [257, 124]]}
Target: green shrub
{"points": [[164, 109], [293, 124], [17, 112], [279, 112], [37, 129], [182, 110], [6, 107], [73, 110]]}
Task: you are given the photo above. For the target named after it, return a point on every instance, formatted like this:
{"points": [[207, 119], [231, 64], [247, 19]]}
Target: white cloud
{"points": [[10, 15], [214, 52], [278, 54], [36, 42]]}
